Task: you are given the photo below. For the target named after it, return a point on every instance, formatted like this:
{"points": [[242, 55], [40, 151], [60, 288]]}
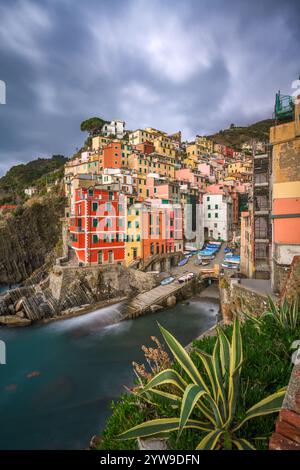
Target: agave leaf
{"points": [[161, 398], [210, 441], [158, 426], [221, 399], [183, 358], [224, 351], [243, 444], [167, 376], [207, 361], [190, 397], [236, 359], [268, 405]]}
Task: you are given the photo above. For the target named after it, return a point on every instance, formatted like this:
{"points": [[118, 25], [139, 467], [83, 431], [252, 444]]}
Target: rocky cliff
{"points": [[27, 238]]}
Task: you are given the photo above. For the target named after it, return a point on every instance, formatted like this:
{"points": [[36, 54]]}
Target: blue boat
{"points": [[183, 262], [167, 281]]}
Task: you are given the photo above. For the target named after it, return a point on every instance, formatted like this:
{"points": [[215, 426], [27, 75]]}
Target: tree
{"points": [[92, 125]]}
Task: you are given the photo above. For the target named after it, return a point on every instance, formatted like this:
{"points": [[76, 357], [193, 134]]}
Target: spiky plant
{"points": [[285, 314], [212, 397]]}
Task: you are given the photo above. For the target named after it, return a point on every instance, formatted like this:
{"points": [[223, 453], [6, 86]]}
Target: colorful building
{"points": [[285, 140], [98, 225]]}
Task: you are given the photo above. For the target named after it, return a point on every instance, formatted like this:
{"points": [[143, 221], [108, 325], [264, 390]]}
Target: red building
{"points": [[97, 228], [145, 147], [229, 152]]}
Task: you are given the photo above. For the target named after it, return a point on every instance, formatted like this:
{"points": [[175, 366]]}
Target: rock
{"points": [[19, 304], [155, 308], [152, 443], [171, 300], [14, 320], [11, 310], [94, 442], [3, 307], [21, 314]]}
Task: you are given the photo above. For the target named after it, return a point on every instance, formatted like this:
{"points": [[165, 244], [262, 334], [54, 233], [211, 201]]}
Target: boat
{"points": [[183, 262], [167, 281], [185, 278], [230, 265]]}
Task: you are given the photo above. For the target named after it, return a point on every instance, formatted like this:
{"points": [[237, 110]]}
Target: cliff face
{"points": [[26, 239]]}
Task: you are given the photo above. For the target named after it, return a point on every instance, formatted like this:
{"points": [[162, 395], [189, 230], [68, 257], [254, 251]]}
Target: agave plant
{"points": [[212, 396], [286, 315]]}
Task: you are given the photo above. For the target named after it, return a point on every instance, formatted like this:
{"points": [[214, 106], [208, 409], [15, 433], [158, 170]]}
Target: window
{"points": [[216, 215], [95, 238], [108, 206], [137, 225], [120, 222], [108, 223], [208, 207], [129, 224], [91, 192], [216, 206], [120, 206], [138, 238], [95, 222], [95, 206], [110, 195], [208, 198], [209, 215], [136, 212]]}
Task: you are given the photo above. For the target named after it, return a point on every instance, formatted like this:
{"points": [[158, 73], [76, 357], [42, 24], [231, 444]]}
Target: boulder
{"points": [[171, 300], [14, 320], [155, 308], [19, 304], [21, 314], [11, 309]]}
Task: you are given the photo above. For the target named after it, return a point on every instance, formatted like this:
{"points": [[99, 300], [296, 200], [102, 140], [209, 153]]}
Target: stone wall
{"points": [[287, 431], [236, 299], [291, 287]]}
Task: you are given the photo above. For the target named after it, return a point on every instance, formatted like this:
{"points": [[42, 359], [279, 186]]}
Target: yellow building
{"points": [[140, 136], [99, 141], [193, 151], [133, 245], [164, 146], [247, 244], [205, 144], [153, 163], [190, 162]]}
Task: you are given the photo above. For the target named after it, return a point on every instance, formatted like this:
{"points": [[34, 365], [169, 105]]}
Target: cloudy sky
{"points": [[194, 65]]}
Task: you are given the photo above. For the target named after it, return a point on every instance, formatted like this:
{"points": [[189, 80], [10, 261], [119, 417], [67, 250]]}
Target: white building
{"points": [[30, 191], [218, 216], [115, 128]]}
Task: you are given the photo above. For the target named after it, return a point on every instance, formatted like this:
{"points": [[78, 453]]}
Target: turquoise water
{"points": [[61, 377], [5, 287]]}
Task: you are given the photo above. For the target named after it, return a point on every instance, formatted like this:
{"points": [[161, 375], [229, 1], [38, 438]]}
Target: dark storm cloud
{"points": [[194, 65]]}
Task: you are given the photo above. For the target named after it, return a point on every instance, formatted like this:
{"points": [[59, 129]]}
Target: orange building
{"points": [[285, 138]]}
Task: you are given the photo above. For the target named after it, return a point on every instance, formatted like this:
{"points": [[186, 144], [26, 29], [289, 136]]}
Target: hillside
{"points": [[35, 173], [27, 238], [236, 136]]}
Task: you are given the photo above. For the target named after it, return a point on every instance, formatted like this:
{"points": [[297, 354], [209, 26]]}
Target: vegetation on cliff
{"points": [[235, 136], [36, 173]]}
